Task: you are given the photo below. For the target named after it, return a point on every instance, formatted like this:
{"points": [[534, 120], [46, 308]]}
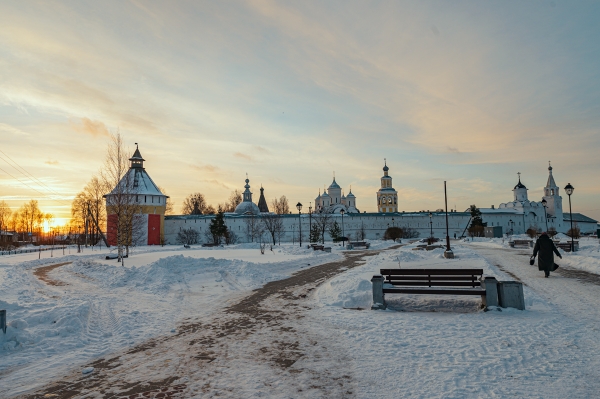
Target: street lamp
{"points": [[393, 225], [569, 190], [299, 207], [511, 223], [343, 236], [545, 204], [309, 222], [430, 225]]}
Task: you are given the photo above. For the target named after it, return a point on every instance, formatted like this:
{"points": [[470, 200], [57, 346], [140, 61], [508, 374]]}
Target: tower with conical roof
{"points": [[387, 196], [136, 207], [262, 202], [553, 199]]}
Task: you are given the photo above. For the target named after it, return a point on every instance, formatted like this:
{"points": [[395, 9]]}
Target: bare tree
{"points": [[361, 234], [188, 236], [195, 204], [5, 213], [121, 202], [273, 223], [323, 222], [281, 206], [169, 208], [255, 228]]}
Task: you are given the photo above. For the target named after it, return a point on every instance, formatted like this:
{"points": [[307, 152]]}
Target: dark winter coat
{"points": [[546, 249]]}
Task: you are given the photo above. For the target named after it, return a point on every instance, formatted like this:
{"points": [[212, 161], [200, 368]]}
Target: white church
{"points": [[513, 217]]}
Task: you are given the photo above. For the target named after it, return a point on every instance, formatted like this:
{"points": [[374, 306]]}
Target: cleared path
{"points": [[256, 347]]}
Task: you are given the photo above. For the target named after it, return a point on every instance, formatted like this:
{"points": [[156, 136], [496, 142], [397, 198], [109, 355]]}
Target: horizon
{"points": [[469, 93]]}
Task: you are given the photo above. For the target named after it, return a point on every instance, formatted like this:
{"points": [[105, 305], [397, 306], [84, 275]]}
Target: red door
{"points": [[111, 226], [153, 229]]}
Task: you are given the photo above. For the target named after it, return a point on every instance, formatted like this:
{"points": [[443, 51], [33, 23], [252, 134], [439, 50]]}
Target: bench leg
{"points": [[378, 296], [490, 284]]}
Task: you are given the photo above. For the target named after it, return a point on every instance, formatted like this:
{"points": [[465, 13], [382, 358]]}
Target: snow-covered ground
{"points": [[587, 258], [421, 347], [100, 307], [446, 347]]}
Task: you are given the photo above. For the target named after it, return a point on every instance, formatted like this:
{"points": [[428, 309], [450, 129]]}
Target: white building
{"points": [[387, 197], [334, 200], [516, 216]]}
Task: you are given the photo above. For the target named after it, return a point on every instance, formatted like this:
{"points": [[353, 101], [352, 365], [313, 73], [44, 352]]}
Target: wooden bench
{"points": [[520, 243], [429, 282], [566, 246]]}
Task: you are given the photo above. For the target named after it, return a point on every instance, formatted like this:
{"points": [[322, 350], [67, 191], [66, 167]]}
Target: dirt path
{"points": [[256, 347], [42, 274]]}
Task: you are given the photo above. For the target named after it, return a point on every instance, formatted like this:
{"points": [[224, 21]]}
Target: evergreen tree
{"points": [[217, 228], [477, 225], [335, 231], [315, 233]]}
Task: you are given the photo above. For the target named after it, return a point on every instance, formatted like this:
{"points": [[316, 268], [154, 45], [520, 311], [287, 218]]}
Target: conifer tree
{"points": [[217, 228], [335, 231]]}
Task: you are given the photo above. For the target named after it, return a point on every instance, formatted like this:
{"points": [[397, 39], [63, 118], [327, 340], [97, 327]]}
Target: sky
{"points": [[467, 92]]}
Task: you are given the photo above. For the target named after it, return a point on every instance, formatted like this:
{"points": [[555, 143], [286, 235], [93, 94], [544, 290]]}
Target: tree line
{"points": [[28, 222]]}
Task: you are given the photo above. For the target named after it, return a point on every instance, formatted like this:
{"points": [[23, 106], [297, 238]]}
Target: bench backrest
{"points": [[433, 277]]}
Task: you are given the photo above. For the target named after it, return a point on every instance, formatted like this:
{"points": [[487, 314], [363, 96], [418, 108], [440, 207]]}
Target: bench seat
{"points": [[427, 282]]}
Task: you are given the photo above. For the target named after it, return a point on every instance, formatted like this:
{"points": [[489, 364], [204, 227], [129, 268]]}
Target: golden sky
{"points": [[289, 92]]}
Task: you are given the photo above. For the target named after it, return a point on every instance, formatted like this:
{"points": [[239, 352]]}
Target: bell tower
{"points": [[387, 197], [553, 201]]}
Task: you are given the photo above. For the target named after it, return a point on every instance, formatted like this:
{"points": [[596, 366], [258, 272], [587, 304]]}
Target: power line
{"points": [[36, 190], [23, 169]]}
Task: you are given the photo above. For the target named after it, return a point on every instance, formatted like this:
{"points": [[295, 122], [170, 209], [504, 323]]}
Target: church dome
{"points": [[247, 208], [519, 184], [334, 184], [385, 168]]}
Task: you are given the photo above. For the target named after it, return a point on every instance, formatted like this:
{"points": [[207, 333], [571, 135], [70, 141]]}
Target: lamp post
{"points": [[393, 225], [299, 207], [343, 236], [545, 204], [569, 190], [79, 239], [309, 222], [448, 253], [430, 225], [511, 223]]}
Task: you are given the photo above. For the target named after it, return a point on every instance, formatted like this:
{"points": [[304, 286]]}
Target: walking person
{"points": [[546, 249]]}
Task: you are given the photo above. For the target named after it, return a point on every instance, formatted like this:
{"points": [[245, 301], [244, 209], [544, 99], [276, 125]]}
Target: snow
{"points": [[447, 347], [103, 306], [421, 347]]}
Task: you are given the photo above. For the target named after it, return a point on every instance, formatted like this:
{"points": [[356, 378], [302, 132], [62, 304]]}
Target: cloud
{"points": [[51, 162], [243, 156], [261, 149], [453, 150], [206, 168], [94, 128]]}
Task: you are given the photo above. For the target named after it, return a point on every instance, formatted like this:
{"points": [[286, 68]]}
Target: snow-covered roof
{"points": [[247, 207], [334, 184], [137, 181]]}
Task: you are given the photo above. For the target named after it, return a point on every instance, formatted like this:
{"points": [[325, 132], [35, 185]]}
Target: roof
{"points": [[247, 207], [334, 184], [137, 155], [262, 202], [578, 217], [520, 185], [137, 181]]}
